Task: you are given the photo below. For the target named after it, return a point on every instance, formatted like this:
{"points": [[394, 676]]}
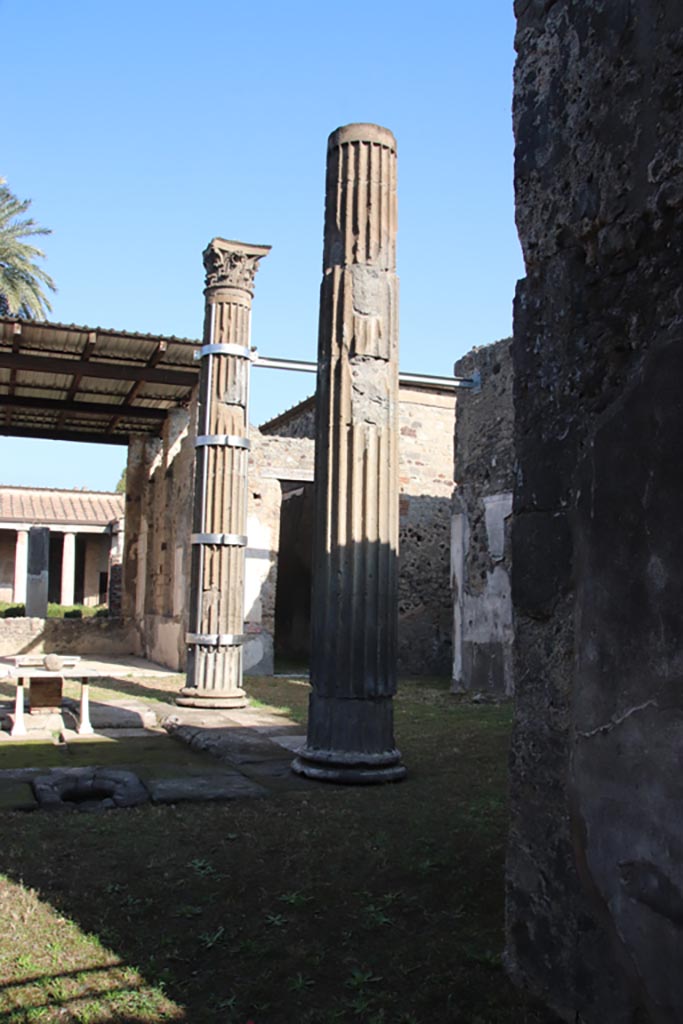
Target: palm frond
{"points": [[21, 278]]}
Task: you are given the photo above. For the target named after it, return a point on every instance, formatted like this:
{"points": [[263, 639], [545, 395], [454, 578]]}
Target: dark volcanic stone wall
{"points": [[595, 865], [482, 504]]}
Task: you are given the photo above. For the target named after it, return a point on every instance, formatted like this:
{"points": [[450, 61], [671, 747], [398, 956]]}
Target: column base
{"points": [[193, 697], [350, 741], [348, 768]]}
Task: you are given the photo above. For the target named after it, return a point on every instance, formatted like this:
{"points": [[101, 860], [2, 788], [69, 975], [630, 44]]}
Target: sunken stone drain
{"points": [[88, 789]]}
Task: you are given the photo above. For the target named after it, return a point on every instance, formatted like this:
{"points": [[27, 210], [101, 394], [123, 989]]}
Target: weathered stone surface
{"points": [[68, 636], [211, 787], [219, 538], [88, 789], [480, 538], [355, 591], [595, 877]]}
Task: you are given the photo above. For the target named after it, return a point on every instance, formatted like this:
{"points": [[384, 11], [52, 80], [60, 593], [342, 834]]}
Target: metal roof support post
{"points": [[216, 600]]}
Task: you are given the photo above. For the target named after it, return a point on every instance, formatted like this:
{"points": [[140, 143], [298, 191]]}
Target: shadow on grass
{"points": [[378, 905]]}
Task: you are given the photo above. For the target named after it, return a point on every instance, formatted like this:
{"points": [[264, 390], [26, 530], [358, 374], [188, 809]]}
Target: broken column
{"points": [[216, 613], [594, 871], [355, 609]]}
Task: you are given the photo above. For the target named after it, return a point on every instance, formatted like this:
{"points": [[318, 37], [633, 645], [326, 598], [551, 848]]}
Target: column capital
{"points": [[231, 264]]}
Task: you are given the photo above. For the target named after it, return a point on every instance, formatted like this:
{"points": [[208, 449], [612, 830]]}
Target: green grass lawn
{"points": [[378, 905]]}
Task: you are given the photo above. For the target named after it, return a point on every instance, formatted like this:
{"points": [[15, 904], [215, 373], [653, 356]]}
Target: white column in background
{"points": [[68, 568], [21, 567]]}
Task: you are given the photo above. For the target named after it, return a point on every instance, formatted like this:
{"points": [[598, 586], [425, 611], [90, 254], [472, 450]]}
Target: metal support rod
{"points": [[423, 379]]}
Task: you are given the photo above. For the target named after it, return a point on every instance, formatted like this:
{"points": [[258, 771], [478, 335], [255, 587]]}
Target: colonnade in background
{"points": [[68, 580]]}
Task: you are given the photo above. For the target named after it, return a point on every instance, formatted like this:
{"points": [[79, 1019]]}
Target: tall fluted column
{"points": [[355, 598], [216, 616]]}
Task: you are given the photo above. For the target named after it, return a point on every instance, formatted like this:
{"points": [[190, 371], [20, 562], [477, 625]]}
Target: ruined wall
{"points": [[425, 454], [595, 872], [480, 538], [159, 516], [272, 460], [426, 420], [106, 637], [156, 563]]}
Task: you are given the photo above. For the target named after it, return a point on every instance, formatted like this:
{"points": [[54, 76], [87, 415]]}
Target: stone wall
{"points": [[273, 460], [480, 538], [158, 526], [595, 872], [159, 516], [425, 452], [105, 637], [426, 420]]}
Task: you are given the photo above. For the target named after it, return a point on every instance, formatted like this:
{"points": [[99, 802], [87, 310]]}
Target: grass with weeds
{"points": [[375, 905]]}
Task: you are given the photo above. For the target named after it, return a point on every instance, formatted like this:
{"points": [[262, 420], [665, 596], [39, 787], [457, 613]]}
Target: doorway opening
{"points": [[292, 640]]}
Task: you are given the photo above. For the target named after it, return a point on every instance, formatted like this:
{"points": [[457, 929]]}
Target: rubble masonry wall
{"points": [[595, 865], [480, 534]]}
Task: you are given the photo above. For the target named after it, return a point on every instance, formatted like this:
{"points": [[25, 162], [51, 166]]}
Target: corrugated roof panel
{"points": [[123, 351]]}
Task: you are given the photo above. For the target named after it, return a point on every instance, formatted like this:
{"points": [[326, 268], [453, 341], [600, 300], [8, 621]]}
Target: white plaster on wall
{"points": [[141, 576], [164, 646], [487, 617], [179, 581], [260, 557], [459, 545], [497, 508]]}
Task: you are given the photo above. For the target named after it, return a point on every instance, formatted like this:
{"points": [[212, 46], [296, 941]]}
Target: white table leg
{"points": [[19, 727], [84, 726]]}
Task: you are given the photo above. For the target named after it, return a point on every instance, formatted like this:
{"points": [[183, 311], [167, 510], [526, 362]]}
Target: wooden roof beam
{"points": [[156, 356], [102, 409], [108, 371], [92, 437]]}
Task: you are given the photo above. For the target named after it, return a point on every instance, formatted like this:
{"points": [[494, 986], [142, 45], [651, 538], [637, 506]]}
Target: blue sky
{"points": [[142, 129]]}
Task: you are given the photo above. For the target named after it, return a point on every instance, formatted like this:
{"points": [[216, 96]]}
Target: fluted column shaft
{"points": [[355, 596], [216, 606]]}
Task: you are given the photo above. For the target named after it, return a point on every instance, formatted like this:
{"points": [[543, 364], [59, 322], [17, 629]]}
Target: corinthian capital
{"points": [[233, 264]]}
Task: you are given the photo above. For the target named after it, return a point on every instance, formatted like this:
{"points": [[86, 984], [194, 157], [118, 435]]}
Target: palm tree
{"points": [[21, 279]]}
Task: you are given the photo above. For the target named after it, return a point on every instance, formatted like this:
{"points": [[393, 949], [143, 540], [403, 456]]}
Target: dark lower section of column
{"points": [[350, 741]]}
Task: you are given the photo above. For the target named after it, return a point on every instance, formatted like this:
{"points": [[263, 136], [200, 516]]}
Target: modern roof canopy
{"points": [[90, 384], [72, 383]]}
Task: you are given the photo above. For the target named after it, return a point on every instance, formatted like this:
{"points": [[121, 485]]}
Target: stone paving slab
{"points": [[238, 746], [124, 714], [17, 796], [232, 786], [119, 734]]}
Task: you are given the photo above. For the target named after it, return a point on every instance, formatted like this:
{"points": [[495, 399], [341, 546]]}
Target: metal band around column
{"points": [[215, 639], [235, 540], [223, 349], [227, 440]]}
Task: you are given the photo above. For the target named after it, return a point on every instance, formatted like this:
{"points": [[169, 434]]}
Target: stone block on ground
{"points": [[213, 787]]}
